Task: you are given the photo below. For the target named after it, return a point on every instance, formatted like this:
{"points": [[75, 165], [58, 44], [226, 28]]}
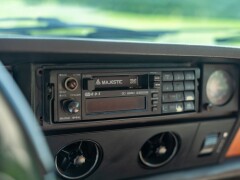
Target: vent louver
{"points": [[78, 159], [159, 150]]}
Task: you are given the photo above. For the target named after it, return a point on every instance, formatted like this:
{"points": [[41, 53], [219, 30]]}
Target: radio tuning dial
{"points": [[71, 106]]}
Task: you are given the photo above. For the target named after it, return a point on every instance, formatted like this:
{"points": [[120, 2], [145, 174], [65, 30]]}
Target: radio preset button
{"points": [[167, 76], [189, 85], [178, 86], [155, 102], [189, 75], [154, 95], [154, 109], [178, 76], [189, 96], [165, 98], [157, 84], [172, 107], [179, 96], [167, 86], [157, 77], [189, 106], [178, 107], [165, 108], [172, 97]]}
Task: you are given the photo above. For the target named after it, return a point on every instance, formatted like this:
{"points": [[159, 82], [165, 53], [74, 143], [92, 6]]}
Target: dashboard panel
{"points": [[114, 110]]}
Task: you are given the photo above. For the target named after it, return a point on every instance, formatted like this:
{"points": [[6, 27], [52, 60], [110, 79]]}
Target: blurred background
{"points": [[215, 22]]}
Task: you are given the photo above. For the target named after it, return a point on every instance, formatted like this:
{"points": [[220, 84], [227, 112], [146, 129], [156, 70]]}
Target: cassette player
{"points": [[79, 95], [115, 82]]}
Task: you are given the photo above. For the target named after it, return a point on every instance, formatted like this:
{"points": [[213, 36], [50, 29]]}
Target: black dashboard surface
{"points": [[119, 139]]}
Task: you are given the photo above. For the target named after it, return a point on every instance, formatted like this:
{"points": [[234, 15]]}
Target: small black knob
{"points": [[208, 106], [71, 106]]}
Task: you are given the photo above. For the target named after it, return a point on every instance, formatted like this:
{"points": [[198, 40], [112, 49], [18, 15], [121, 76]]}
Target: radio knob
{"points": [[71, 84], [71, 106]]}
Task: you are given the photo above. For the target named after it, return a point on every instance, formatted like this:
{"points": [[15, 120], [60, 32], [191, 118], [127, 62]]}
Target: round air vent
{"points": [[78, 159], [159, 150]]}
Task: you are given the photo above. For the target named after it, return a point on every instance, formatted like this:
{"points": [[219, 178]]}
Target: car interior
{"points": [[103, 108]]}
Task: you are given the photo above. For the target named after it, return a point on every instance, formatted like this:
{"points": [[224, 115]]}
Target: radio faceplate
{"points": [[78, 95]]}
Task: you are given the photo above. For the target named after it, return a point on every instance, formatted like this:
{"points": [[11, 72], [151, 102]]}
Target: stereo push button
{"points": [[167, 86], [172, 107], [165, 108], [178, 86], [178, 76], [157, 85], [178, 107], [172, 97], [154, 95], [189, 85], [189, 75], [154, 109], [157, 77], [189, 106], [189, 96], [155, 102], [167, 76]]}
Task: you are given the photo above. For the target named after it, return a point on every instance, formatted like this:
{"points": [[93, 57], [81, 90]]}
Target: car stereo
{"points": [[79, 95]]}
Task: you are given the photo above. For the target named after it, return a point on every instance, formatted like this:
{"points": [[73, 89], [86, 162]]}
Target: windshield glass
{"points": [[205, 22]]}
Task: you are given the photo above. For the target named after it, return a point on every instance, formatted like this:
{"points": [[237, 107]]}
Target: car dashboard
{"points": [[129, 110]]}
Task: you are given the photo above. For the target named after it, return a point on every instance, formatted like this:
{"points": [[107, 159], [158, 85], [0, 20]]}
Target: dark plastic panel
{"points": [[16, 52], [51, 77], [206, 128], [121, 147], [233, 71], [85, 46]]}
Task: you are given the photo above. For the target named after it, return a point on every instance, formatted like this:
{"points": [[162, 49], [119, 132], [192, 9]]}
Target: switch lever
{"points": [[209, 144]]}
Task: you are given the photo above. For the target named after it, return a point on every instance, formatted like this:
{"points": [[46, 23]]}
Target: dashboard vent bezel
{"points": [[175, 149], [97, 161]]}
